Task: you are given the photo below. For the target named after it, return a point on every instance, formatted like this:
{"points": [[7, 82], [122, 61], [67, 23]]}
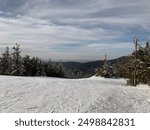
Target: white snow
{"points": [[95, 94]]}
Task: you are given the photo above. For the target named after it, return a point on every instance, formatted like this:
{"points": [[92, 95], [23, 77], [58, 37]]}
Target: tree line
{"points": [[134, 67], [15, 64]]}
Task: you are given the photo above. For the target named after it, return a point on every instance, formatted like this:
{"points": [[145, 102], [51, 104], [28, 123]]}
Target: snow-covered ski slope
{"points": [[41, 94]]}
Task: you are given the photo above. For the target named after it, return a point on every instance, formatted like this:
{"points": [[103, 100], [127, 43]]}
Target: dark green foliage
{"points": [[87, 69], [5, 63], [27, 66], [130, 67], [141, 64], [111, 68], [54, 69], [17, 65], [105, 70]]}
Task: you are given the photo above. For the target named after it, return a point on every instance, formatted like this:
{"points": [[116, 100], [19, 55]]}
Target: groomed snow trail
{"points": [[56, 95]]}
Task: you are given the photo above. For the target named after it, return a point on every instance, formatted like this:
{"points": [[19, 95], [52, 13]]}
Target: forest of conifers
{"points": [[135, 68]]}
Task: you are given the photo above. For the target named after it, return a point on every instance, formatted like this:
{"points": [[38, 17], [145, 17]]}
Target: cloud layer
{"points": [[74, 29]]}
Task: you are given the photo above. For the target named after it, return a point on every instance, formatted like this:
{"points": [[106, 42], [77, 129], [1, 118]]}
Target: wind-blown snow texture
{"points": [[39, 94]]}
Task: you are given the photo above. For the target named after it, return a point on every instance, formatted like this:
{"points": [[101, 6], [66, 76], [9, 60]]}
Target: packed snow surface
{"points": [[41, 94]]}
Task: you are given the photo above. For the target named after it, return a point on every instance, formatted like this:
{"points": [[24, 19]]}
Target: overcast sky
{"points": [[77, 30]]}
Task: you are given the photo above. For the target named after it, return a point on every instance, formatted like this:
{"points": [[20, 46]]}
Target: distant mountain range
{"points": [[78, 70]]}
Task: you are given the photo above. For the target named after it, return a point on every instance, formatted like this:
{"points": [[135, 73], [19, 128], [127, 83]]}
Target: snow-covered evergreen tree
{"points": [[18, 68], [49, 68], [27, 65], [14, 64], [116, 70], [5, 63], [40, 68], [60, 70], [141, 64], [105, 70]]}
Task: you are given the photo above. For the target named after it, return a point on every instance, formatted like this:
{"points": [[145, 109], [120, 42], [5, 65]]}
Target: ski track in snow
{"points": [[56, 95]]}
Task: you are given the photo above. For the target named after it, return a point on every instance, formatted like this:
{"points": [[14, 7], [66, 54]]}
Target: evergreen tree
{"points": [[18, 68], [40, 68], [5, 63], [142, 64], [49, 68], [60, 70], [116, 70], [34, 66], [106, 70], [27, 66]]}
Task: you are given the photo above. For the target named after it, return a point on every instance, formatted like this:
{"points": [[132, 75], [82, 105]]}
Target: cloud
{"points": [[74, 29]]}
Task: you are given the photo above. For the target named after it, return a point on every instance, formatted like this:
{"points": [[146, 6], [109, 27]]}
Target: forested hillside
{"points": [[87, 69]]}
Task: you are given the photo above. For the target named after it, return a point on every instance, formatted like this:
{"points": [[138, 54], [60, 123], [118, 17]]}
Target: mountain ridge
{"points": [[86, 69]]}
